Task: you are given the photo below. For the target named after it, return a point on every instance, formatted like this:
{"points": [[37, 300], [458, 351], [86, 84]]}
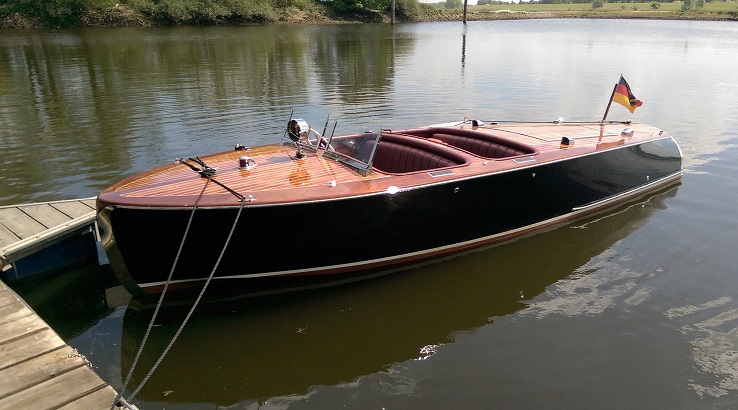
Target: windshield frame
{"points": [[354, 150]]}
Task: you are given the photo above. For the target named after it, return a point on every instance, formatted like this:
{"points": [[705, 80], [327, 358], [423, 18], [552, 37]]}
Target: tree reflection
{"points": [[101, 104]]}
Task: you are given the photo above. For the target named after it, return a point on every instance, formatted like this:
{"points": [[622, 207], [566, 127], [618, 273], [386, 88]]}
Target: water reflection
{"points": [[106, 103], [463, 51], [81, 109], [279, 346], [714, 343]]}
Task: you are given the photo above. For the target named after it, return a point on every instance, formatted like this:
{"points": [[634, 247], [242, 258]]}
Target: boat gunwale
{"points": [[377, 175]]}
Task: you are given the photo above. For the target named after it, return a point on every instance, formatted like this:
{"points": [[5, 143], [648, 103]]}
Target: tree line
{"points": [[71, 13]]}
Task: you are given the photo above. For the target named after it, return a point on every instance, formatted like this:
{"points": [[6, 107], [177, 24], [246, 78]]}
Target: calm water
{"points": [[636, 308]]}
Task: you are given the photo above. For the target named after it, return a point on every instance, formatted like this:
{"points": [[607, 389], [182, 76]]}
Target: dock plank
{"points": [[29, 346], [74, 209], [93, 400], [19, 223], [45, 214], [7, 236], [6, 298], [19, 327], [39, 370], [91, 202], [12, 312], [60, 390]]}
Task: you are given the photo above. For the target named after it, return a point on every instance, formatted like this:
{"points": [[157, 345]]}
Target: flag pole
{"points": [[609, 103]]}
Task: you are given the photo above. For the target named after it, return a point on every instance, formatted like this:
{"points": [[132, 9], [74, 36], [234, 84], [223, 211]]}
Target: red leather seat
{"points": [[483, 148]]}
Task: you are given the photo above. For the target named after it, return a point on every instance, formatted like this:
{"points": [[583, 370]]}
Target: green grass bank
{"points": [[25, 14]]}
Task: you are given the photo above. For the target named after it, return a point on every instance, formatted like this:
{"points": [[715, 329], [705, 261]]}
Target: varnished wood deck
{"points": [[26, 229], [279, 178], [38, 370]]}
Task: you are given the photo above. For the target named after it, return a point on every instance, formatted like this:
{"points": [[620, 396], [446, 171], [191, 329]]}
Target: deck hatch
{"points": [[524, 160], [441, 173]]}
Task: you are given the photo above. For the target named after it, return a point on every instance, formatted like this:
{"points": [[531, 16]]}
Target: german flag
{"points": [[624, 96]]}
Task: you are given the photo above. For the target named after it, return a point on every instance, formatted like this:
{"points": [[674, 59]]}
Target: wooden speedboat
{"points": [[320, 207]]}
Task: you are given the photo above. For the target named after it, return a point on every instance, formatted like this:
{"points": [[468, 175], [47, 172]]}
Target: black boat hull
{"points": [[335, 237]]}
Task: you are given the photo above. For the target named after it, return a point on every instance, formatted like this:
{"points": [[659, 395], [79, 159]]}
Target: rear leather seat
{"points": [[483, 148]]}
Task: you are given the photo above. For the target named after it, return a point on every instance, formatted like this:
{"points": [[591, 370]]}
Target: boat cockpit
{"points": [[407, 151]]}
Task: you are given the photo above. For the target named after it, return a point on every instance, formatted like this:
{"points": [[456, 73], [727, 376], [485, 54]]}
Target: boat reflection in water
{"points": [[253, 349]]}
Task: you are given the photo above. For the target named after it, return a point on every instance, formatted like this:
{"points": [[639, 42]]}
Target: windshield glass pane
{"points": [[355, 150]]}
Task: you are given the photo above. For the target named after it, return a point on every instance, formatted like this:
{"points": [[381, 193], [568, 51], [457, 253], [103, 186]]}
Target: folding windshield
{"points": [[355, 150]]}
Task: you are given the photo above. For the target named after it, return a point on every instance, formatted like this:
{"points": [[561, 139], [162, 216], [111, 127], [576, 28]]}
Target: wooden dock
{"points": [[38, 370], [53, 230]]}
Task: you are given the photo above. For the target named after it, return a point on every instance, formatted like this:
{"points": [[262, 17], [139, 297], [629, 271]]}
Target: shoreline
{"points": [[122, 16]]}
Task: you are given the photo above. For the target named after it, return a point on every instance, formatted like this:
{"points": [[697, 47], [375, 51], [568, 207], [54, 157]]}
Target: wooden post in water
{"points": [[392, 21], [465, 1]]}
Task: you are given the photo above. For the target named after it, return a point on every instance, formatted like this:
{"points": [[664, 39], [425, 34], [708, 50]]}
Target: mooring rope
{"points": [[161, 298], [208, 173], [192, 309]]}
